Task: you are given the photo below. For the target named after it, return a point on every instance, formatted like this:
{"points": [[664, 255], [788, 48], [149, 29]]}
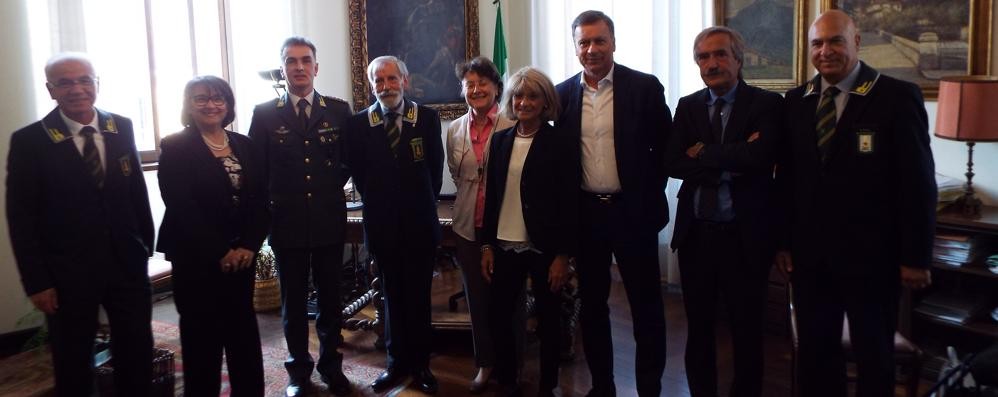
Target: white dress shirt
{"points": [[599, 157], [80, 140], [296, 98], [844, 86]]}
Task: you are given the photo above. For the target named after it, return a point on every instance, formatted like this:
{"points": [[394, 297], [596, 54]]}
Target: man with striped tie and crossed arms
{"points": [[857, 180]]}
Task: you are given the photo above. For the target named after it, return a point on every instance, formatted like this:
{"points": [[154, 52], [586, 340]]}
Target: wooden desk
{"points": [[446, 279]]}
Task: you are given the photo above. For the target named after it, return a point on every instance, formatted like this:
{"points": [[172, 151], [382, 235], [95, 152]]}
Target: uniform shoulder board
{"points": [[332, 98]]}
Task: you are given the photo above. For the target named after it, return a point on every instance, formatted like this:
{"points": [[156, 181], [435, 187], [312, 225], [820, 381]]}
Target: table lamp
{"points": [[967, 113]]}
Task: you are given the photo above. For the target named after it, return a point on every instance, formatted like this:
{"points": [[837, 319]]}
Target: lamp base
{"points": [[968, 205]]}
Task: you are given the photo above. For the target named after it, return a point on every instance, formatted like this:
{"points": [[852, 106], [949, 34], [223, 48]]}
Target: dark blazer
{"points": [[65, 231], [399, 194], [201, 222], [549, 189], [641, 127], [754, 110], [302, 172], [871, 206]]}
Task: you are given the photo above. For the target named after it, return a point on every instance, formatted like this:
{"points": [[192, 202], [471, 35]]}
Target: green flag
{"points": [[499, 48]]}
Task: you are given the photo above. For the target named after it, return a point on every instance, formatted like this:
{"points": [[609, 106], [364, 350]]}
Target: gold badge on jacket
{"points": [[864, 141], [126, 165], [416, 144]]}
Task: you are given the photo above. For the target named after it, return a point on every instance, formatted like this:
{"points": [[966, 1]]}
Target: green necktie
{"points": [[826, 121]]}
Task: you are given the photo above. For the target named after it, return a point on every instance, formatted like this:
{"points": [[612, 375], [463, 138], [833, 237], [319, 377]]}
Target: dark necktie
{"points": [[91, 157], [392, 132], [302, 114], [716, 124], [825, 127], [707, 203]]}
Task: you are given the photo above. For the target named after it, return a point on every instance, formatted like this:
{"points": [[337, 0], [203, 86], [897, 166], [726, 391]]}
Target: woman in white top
{"points": [[467, 149], [530, 222]]}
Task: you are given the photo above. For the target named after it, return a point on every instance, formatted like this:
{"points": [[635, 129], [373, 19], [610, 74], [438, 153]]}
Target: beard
{"points": [[389, 98]]}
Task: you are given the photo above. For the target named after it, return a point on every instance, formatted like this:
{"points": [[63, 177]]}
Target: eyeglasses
{"points": [[69, 83], [202, 100]]}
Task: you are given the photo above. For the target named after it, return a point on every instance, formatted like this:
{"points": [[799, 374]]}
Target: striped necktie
{"points": [[392, 132], [826, 121], [91, 157]]}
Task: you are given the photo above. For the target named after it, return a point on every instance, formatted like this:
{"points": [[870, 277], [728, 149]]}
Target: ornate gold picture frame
{"points": [[430, 36], [922, 41], [775, 35]]}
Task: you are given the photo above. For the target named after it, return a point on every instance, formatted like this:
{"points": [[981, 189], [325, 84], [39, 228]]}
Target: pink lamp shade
{"points": [[968, 109]]}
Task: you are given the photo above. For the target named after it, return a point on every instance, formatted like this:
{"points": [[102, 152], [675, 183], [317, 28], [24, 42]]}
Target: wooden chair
{"points": [[907, 356]]}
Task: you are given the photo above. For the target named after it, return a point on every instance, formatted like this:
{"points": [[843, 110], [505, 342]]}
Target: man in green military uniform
{"points": [[298, 136]]}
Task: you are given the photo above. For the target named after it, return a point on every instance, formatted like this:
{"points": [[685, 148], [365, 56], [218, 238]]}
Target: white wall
{"points": [[17, 111]]}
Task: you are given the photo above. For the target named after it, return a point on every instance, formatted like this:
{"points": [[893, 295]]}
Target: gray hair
{"points": [[65, 57], [379, 61], [736, 40], [529, 79]]}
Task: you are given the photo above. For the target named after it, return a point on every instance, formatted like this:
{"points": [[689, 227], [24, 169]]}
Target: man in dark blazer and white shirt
{"points": [[860, 195], [396, 156], [298, 139], [722, 148], [622, 123], [82, 231]]}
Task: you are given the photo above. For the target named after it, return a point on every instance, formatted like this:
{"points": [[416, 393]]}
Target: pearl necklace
{"points": [[521, 134], [215, 147]]}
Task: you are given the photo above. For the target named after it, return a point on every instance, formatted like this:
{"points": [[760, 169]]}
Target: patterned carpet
{"points": [[167, 336]]}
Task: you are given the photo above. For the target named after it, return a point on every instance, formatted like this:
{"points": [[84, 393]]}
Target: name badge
{"points": [[416, 144], [126, 165], [864, 141]]}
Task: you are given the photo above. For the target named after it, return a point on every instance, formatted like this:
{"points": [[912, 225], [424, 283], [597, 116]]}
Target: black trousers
{"points": [[714, 268], [126, 298], [326, 267], [406, 274], [603, 236], [216, 316], [822, 296], [510, 271], [476, 292]]}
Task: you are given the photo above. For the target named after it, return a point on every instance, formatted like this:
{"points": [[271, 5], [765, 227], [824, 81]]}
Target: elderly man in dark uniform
{"points": [[298, 137], [622, 124], [395, 153], [722, 149], [82, 231], [858, 180]]}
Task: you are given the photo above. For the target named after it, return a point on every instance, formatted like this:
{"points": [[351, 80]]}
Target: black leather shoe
{"points": [[387, 380], [338, 384], [298, 388], [425, 381]]}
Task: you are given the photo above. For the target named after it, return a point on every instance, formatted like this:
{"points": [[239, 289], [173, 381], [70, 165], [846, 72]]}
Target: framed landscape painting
{"points": [[774, 36], [922, 40]]}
